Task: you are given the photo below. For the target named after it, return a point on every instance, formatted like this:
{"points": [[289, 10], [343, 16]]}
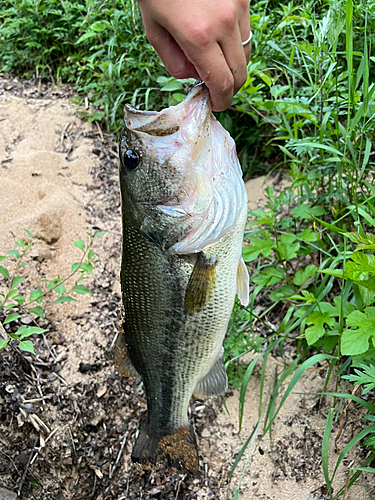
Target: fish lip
{"points": [[169, 120]]}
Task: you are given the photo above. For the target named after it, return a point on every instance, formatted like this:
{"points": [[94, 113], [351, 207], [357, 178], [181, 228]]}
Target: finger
{"points": [[235, 58], [171, 54], [210, 64]]}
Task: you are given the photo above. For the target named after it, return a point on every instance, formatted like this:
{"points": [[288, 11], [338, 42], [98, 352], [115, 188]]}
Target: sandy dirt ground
{"points": [[58, 176]]}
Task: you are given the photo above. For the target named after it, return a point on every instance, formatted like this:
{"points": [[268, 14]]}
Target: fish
{"points": [[184, 210]]}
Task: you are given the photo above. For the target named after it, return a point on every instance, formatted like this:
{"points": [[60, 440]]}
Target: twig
{"points": [[72, 440], [26, 469], [119, 454], [125, 497], [62, 380], [178, 486], [9, 458], [94, 487], [70, 150], [43, 445], [99, 130], [65, 128]]}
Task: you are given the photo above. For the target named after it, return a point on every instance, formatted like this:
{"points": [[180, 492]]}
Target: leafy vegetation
{"points": [[100, 47], [306, 112], [19, 302]]}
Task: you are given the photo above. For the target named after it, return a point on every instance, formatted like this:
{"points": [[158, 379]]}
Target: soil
{"points": [[67, 419]]}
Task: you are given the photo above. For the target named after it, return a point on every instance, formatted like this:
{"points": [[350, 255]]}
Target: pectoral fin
{"points": [[215, 382], [242, 283], [201, 285]]}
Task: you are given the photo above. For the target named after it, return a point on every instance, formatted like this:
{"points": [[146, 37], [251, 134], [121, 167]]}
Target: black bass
{"points": [[184, 209]]}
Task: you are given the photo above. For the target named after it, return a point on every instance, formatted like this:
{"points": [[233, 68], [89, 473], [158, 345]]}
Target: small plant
{"points": [[18, 301]]}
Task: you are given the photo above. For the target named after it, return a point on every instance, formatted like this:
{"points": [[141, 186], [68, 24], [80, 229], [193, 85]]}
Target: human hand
{"points": [[201, 39]]}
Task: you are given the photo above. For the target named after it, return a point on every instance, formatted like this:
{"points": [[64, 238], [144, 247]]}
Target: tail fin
{"points": [[178, 450]]}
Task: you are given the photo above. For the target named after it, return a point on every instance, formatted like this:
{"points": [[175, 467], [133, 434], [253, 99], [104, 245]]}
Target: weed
{"points": [[19, 302]]}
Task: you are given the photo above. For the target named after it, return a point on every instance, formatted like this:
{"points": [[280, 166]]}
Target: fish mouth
{"points": [[188, 115]]}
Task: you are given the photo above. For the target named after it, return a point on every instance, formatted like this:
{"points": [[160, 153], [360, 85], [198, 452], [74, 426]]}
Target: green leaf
{"points": [[53, 283], [320, 146], [302, 275], [20, 243], [75, 266], [100, 233], [270, 275], [317, 330], [81, 289], [90, 254], [171, 86], [304, 211], [85, 36], [65, 298], [10, 318], [60, 289], [288, 251], [38, 311], [308, 235], [3, 343], [14, 253], [35, 294], [29, 233], [285, 291], [10, 306], [365, 377], [12, 293], [80, 244], [19, 299], [16, 281], [29, 330], [4, 272], [3, 257], [178, 97], [258, 245], [356, 342], [87, 267], [27, 346]]}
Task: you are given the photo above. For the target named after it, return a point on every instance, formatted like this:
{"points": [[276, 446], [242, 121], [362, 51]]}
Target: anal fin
{"points": [[243, 283], [201, 285], [215, 382]]}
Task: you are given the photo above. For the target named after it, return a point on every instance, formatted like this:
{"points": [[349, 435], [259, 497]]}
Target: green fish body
{"points": [[184, 210]]}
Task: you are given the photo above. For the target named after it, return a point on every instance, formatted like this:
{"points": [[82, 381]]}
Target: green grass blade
{"points": [[356, 399], [325, 449], [351, 444], [300, 371], [355, 476], [245, 382]]}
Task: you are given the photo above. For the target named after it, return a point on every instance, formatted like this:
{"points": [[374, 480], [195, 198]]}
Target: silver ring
{"points": [[246, 42]]}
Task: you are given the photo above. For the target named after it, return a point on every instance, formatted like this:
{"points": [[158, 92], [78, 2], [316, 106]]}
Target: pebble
{"points": [[6, 494]]}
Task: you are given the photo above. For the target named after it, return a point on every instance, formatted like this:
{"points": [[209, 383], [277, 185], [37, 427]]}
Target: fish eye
{"points": [[130, 159]]}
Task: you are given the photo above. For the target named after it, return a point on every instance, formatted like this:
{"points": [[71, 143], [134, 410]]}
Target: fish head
{"points": [[158, 152]]}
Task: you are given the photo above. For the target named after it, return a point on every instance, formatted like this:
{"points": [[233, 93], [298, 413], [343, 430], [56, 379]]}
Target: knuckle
{"points": [[200, 34], [229, 17], [177, 71], [243, 5], [225, 86]]}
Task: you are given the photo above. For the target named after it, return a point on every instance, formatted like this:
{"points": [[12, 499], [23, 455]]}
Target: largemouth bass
{"points": [[184, 209]]}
